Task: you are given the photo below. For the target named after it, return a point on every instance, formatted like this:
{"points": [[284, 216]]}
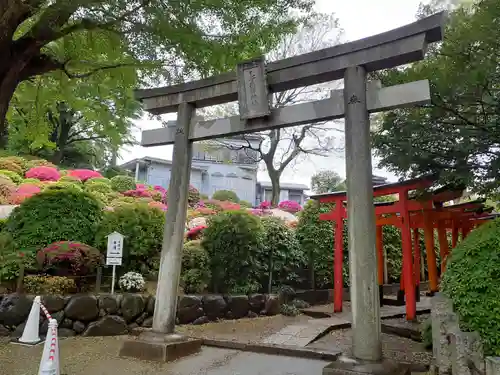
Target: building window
{"points": [[268, 195], [295, 196]]}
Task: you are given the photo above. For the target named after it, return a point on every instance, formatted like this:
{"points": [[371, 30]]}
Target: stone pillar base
{"points": [[160, 347], [349, 366]]}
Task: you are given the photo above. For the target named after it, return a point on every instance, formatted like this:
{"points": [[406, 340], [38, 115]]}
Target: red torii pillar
{"points": [[400, 206]]}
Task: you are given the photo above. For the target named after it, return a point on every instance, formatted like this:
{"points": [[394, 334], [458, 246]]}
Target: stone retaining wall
{"points": [[456, 352], [107, 315]]}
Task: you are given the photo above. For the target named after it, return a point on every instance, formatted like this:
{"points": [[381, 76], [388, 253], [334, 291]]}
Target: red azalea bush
{"points": [[43, 173], [84, 174], [68, 258], [229, 206], [265, 205], [290, 206], [206, 211], [195, 233], [138, 193]]}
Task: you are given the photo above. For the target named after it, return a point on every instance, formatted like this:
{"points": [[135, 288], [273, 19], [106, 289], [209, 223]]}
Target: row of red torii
{"points": [[422, 211]]}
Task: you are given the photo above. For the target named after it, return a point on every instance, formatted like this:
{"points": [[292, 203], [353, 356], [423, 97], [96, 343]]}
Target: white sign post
{"points": [[114, 254]]}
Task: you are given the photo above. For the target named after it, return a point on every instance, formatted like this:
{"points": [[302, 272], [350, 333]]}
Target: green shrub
{"points": [[98, 180], [142, 227], [59, 285], [10, 260], [472, 281], [13, 176], [33, 181], [281, 253], [203, 196], [72, 179], [316, 237], [232, 241], [62, 185], [195, 275], [226, 195], [54, 215], [98, 187], [245, 204], [3, 223], [426, 333], [122, 183], [20, 161]]}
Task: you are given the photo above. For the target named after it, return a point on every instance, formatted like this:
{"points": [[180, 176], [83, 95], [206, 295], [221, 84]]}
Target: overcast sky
{"points": [[359, 19]]}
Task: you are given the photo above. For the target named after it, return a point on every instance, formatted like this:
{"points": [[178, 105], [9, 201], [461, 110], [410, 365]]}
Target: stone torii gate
{"points": [[250, 85]]}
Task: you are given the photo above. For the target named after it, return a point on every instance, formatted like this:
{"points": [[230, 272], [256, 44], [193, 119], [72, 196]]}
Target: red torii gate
{"points": [[430, 214]]}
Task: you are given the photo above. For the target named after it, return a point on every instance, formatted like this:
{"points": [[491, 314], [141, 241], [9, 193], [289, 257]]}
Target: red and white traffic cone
{"points": [[49, 364], [30, 334]]}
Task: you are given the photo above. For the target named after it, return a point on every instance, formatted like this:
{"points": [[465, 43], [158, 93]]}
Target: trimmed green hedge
{"points": [[472, 281]]}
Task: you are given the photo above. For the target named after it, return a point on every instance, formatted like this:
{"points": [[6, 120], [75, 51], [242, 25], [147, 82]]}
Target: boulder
{"points": [[189, 309], [18, 331], [251, 314], [272, 306], [78, 327], [214, 306], [150, 309], [238, 306], [109, 303], [66, 323], [132, 306], [141, 318], [148, 322], [201, 320], [110, 325], [59, 316], [53, 303], [4, 331], [65, 332], [257, 302], [14, 309], [82, 307]]}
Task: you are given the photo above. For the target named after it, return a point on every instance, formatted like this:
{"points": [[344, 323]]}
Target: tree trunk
{"points": [[8, 86], [275, 186]]}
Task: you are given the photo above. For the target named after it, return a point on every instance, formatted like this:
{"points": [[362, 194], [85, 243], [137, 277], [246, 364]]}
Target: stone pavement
{"points": [[304, 333], [99, 356]]}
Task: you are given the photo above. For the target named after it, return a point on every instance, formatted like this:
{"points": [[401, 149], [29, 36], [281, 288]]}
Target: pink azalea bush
{"points": [[290, 206], [43, 173], [84, 174], [256, 212], [28, 189], [140, 186], [23, 192]]}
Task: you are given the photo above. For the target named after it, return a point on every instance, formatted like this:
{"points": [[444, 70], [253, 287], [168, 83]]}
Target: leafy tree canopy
{"points": [[327, 181], [458, 134], [81, 37]]}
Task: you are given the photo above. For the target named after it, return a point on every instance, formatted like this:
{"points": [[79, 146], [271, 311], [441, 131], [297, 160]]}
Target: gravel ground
{"points": [[251, 330], [99, 356], [394, 347]]}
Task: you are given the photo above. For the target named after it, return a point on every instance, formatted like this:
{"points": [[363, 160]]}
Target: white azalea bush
{"points": [[132, 282]]}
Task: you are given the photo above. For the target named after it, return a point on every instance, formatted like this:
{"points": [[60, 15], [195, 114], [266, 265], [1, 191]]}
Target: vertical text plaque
{"points": [[252, 89]]}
